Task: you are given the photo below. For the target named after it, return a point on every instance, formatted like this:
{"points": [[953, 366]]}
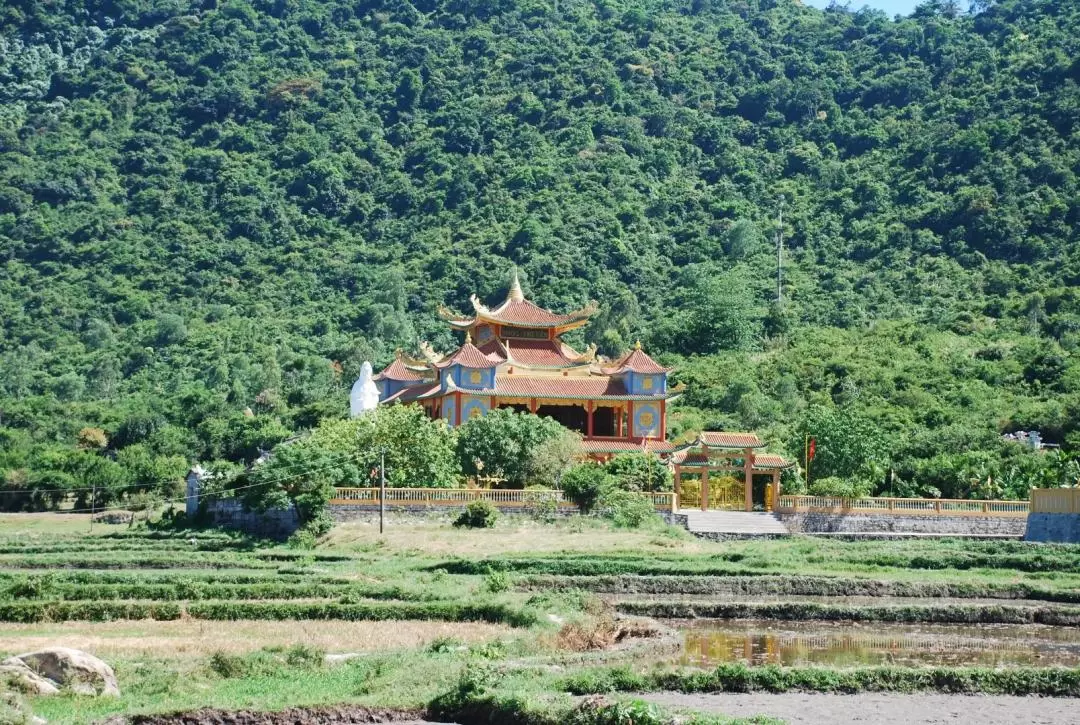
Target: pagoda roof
{"points": [[638, 362], [551, 386], [400, 370], [470, 356], [413, 392], [544, 354], [723, 439], [770, 461], [517, 311], [594, 445], [762, 461]]}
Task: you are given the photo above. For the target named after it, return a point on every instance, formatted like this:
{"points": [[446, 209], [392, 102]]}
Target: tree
{"points": [[847, 445], [519, 448]]}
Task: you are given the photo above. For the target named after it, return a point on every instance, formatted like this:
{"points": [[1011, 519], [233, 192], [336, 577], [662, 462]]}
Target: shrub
{"points": [[585, 483], [479, 514], [625, 508], [497, 581], [843, 488], [541, 506]]}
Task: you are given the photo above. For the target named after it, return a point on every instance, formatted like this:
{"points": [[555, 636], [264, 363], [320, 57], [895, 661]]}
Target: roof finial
{"points": [[468, 337], [515, 289], [637, 345]]}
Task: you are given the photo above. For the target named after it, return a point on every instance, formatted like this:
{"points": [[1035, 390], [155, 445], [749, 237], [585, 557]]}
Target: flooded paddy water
{"points": [[842, 644]]}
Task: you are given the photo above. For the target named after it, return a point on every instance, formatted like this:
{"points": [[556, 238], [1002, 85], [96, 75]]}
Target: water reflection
{"points": [[710, 642]]}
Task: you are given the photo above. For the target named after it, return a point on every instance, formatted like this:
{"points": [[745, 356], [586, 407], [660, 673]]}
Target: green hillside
{"points": [[211, 206]]}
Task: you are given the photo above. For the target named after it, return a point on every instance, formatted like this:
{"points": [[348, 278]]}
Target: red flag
{"points": [[811, 449]]}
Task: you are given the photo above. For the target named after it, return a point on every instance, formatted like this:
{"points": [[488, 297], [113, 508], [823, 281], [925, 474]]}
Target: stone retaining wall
{"points": [[273, 524], [820, 523], [1061, 528]]}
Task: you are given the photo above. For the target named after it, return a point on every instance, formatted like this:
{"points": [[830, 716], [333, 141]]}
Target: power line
{"points": [[151, 484], [206, 495]]}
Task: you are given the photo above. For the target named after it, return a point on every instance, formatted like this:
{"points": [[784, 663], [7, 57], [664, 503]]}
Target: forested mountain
{"points": [[207, 207]]}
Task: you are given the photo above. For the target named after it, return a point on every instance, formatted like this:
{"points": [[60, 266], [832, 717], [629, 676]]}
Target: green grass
{"points": [[434, 574], [1046, 682]]}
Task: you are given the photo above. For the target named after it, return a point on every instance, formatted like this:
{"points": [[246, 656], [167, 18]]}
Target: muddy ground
{"points": [[293, 716], [883, 709]]}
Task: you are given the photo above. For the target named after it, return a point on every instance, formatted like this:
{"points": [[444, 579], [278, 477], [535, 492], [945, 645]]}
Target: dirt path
{"points": [[883, 709]]}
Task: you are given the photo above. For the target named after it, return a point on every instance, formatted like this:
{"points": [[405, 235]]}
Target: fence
{"points": [[503, 498], [901, 506], [1055, 500]]}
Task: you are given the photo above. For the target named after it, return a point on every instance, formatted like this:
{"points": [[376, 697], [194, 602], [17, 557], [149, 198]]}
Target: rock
{"points": [[24, 679], [80, 672]]}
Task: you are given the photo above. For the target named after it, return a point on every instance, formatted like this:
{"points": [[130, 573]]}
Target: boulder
{"points": [[24, 679], [71, 668]]}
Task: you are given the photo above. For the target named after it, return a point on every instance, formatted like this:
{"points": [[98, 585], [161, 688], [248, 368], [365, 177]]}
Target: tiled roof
{"points": [[595, 387], [771, 460], [413, 392], [762, 461], [469, 356], [538, 353], [637, 361], [730, 440], [524, 386], [397, 370], [594, 445]]}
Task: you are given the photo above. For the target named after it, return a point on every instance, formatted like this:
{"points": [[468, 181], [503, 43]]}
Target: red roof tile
{"points": [[397, 370], [730, 440], [771, 460], [413, 392], [469, 356], [594, 445], [522, 386], [637, 361], [539, 353]]}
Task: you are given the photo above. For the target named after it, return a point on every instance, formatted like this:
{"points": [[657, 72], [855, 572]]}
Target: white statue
{"points": [[365, 394]]}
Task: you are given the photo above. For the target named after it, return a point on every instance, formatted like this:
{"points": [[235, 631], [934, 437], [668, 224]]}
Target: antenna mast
{"points": [[780, 254]]}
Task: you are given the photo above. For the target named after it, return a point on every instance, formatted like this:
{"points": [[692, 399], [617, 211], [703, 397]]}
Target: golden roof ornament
{"points": [[637, 345], [515, 289], [468, 337]]}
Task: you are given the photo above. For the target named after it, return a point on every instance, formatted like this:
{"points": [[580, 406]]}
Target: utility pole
{"points": [[382, 487], [780, 255]]}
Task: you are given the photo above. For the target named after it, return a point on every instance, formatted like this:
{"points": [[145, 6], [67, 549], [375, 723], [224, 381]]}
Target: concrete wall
{"points": [[1061, 528], [273, 524], [818, 523]]}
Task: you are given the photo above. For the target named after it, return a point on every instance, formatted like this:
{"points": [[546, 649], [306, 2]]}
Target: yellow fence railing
{"points": [[1055, 500], [901, 506], [508, 498]]}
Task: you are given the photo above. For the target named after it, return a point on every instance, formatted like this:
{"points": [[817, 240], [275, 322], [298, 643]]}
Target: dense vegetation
{"points": [[212, 212]]}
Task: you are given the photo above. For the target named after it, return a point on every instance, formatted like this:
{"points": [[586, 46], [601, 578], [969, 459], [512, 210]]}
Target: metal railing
{"points": [[509, 498], [1055, 500], [901, 506]]}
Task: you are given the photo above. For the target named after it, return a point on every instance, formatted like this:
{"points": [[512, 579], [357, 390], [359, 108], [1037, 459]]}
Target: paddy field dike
{"points": [[571, 622]]}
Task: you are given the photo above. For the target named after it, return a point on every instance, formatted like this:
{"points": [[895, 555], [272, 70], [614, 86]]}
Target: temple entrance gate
{"points": [[717, 472]]}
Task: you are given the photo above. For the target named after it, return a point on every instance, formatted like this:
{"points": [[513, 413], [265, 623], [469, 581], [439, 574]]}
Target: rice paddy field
{"points": [[527, 622]]}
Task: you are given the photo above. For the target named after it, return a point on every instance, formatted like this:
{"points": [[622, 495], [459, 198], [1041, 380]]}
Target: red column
{"points": [[630, 419], [457, 409], [663, 421], [748, 466], [532, 405], [589, 425]]}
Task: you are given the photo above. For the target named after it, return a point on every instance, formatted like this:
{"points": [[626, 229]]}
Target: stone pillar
{"points": [[191, 494], [775, 490]]}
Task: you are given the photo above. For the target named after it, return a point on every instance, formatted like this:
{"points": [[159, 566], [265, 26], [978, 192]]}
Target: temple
{"points": [[514, 357]]}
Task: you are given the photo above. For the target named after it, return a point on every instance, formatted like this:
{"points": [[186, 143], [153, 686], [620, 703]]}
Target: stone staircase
{"points": [[734, 524]]}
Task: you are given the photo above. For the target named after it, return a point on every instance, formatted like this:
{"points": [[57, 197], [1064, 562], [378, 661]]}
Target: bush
{"points": [[842, 488], [585, 483], [625, 508], [541, 506], [479, 514]]}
